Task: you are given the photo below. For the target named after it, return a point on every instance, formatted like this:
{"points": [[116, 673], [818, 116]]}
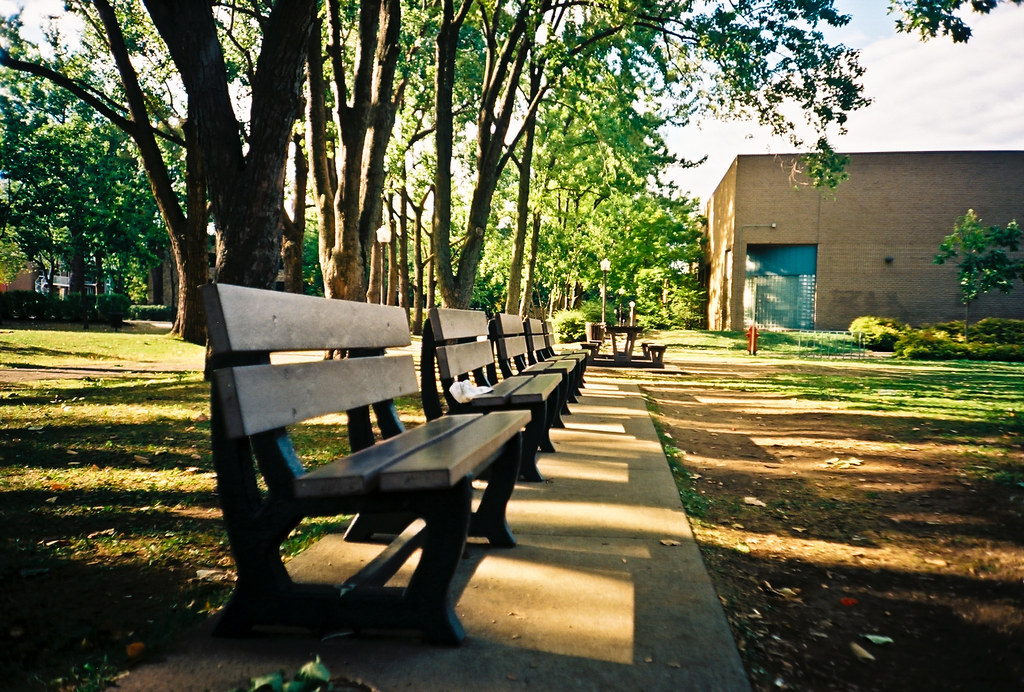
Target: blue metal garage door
{"points": [[779, 286]]}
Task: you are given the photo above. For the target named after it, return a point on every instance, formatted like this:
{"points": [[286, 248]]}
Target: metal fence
{"points": [[825, 344]]}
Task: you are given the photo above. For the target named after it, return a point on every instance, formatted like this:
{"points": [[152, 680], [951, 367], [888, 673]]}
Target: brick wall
{"points": [[877, 234]]}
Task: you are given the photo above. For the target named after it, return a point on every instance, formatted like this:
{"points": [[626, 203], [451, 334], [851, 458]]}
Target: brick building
{"points": [[785, 255]]}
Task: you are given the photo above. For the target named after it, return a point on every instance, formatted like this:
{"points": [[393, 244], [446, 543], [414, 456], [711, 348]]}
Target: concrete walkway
{"points": [[605, 591]]}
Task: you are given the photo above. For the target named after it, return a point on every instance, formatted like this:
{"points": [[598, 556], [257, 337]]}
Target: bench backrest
{"points": [[535, 343], [509, 337], [455, 347], [251, 396]]}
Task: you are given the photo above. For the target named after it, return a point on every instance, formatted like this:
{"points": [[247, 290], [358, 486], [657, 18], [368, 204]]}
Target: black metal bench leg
{"points": [[428, 596], [262, 580], [536, 438], [489, 519]]}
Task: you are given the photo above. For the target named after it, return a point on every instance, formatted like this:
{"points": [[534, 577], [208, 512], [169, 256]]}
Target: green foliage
{"points": [[569, 325], [108, 304], [12, 259], [929, 18], [999, 340], [880, 333], [314, 676], [825, 167], [151, 313], [29, 305], [984, 263]]}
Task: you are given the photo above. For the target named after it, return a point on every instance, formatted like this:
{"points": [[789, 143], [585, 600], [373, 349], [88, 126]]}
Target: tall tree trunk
{"points": [[418, 292], [246, 189], [531, 267], [403, 252], [515, 273], [392, 298], [190, 248], [364, 117], [295, 226], [76, 274]]}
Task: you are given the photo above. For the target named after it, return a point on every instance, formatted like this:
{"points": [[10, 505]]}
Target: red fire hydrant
{"points": [[752, 339]]}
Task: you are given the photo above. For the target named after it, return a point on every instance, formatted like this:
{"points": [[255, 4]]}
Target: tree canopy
{"points": [[408, 115]]}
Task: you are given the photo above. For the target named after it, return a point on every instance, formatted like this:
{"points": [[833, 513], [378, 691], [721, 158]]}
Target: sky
{"points": [[927, 96]]}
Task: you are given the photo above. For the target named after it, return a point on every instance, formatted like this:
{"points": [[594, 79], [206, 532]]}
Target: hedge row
{"points": [[990, 339], [29, 305]]}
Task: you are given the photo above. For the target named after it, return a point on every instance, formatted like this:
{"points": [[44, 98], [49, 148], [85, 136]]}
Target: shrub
{"points": [[880, 333], [152, 313], [928, 344], [108, 304], [76, 307], [569, 325], [995, 330], [945, 343]]}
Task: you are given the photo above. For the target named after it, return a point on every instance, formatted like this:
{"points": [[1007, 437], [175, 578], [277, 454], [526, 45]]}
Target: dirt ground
{"points": [[851, 550]]}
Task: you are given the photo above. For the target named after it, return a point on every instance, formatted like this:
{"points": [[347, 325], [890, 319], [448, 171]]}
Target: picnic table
{"points": [[623, 353]]}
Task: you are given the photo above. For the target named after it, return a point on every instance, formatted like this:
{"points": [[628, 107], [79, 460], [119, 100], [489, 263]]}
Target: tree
{"points": [[930, 18], [985, 264], [145, 111], [347, 160]]}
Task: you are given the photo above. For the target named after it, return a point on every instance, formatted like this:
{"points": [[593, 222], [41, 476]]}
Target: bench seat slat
{"points": [[455, 456], [250, 319], [257, 398], [358, 473], [520, 390]]}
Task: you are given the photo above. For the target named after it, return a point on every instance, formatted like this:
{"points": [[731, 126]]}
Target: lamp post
{"points": [[606, 265]]}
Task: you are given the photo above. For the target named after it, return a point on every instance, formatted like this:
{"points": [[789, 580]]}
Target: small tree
{"points": [[984, 260]]}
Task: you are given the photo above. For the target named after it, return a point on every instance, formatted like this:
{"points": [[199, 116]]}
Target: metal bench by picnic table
{"points": [[419, 480], [456, 348]]}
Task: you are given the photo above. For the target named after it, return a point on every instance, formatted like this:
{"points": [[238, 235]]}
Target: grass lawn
{"points": [[111, 540]]}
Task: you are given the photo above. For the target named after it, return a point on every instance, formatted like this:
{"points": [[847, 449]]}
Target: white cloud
{"points": [[933, 95]]}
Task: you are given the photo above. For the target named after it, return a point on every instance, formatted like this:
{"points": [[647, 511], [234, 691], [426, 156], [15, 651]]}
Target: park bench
{"points": [[508, 334], [456, 348], [540, 349], [654, 352], [416, 482]]}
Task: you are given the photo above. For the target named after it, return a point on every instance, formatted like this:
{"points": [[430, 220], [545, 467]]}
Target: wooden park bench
{"points": [[456, 348], [419, 480], [540, 349], [654, 352], [508, 334]]}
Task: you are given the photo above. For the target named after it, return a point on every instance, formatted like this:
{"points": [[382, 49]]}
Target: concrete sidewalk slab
{"points": [[605, 591]]}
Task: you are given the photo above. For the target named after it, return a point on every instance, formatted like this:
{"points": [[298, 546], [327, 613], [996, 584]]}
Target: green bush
{"points": [[25, 305], [995, 330], [944, 342], [152, 313], [108, 304], [569, 325], [880, 333]]}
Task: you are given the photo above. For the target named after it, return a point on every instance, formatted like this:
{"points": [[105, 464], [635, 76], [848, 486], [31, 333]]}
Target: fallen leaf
{"points": [[670, 541], [798, 529], [877, 639], [753, 501], [860, 652], [847, 601], [936, 562], [837, 463], [135, 650]]}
